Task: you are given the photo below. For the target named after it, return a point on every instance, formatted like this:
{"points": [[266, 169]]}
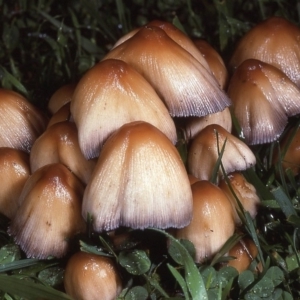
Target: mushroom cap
{"points": [[244, 191], [275, 41], [63, 114], [61, 97], [21, 123], [59, 144], [184, 84], [193, 125], [263, 97], [14, 172], [49, 212], [212, 222], [139, 181], [109, 95], [90, 276], [204, 152], [214, 60]]}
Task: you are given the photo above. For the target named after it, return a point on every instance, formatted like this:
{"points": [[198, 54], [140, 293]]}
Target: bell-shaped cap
{"points": [[212, 222], [14, 172], [20, 123], [109, 95], [275, 41], [49, 213], [214, 60], [59, 144], [92, 277], [139, 181], [237, 187], [184, 84], [206, 148], [263, 97]]}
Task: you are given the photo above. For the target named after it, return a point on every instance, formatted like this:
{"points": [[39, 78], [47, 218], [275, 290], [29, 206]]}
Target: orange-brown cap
{"points": [[184, 84], [49, 212], [212, 222], [109, 95], [92, 277], [139, 181]]}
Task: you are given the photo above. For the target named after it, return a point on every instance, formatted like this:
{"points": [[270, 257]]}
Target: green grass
{"points": [[47, 43]]}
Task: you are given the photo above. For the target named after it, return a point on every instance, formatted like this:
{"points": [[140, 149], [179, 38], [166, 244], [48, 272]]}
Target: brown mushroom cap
{"points": [[21, 123], [59, 144], [274, 41], [109, 95], [184, 84], [63, 114], [212, 222], [204, 152], [244, 191], [139, 181], [93, 277], [14, 172], [263, 97], [49, 212]]}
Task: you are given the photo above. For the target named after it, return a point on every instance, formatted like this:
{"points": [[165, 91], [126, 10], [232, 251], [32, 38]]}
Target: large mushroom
{"points": [[109, 95], [184, 84], [139, 181]]}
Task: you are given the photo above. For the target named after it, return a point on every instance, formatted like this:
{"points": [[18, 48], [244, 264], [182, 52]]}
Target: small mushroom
{"points": [[212, 221], [275, 41], [244, 191], [49, 213], [63, 114], [14, 172], [139, 181], [205, 150], [59, 144], [109, 95], [21, 123], [263, 97], [92, 277], [184, 84]]}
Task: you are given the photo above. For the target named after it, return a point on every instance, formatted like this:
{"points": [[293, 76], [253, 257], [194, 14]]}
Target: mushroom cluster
{"points": [[108, 153]]}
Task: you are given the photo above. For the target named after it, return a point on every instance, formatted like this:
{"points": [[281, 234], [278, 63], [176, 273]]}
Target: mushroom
{"points": [[49, 212], [63, 114], [139, 181], [263, 97], [92, 277], [61, 97], [21, 123], [239, 188], [109, 95], [214, 60], [212, 221], [274, 41], [184, 84], [14, 172], [205, 150], [59, 144]]}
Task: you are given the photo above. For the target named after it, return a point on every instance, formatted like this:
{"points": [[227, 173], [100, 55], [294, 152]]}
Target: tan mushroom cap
{"points": [[212, 222], [109, 95], [92, 277], [214, 60], [61, 97], [184, 84], [21, 123], [49, 212], [263, 97], [275, 41], [206, 146], [63, 114], [14, 172], [244, 191], [59, 144], [139, 181]]}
